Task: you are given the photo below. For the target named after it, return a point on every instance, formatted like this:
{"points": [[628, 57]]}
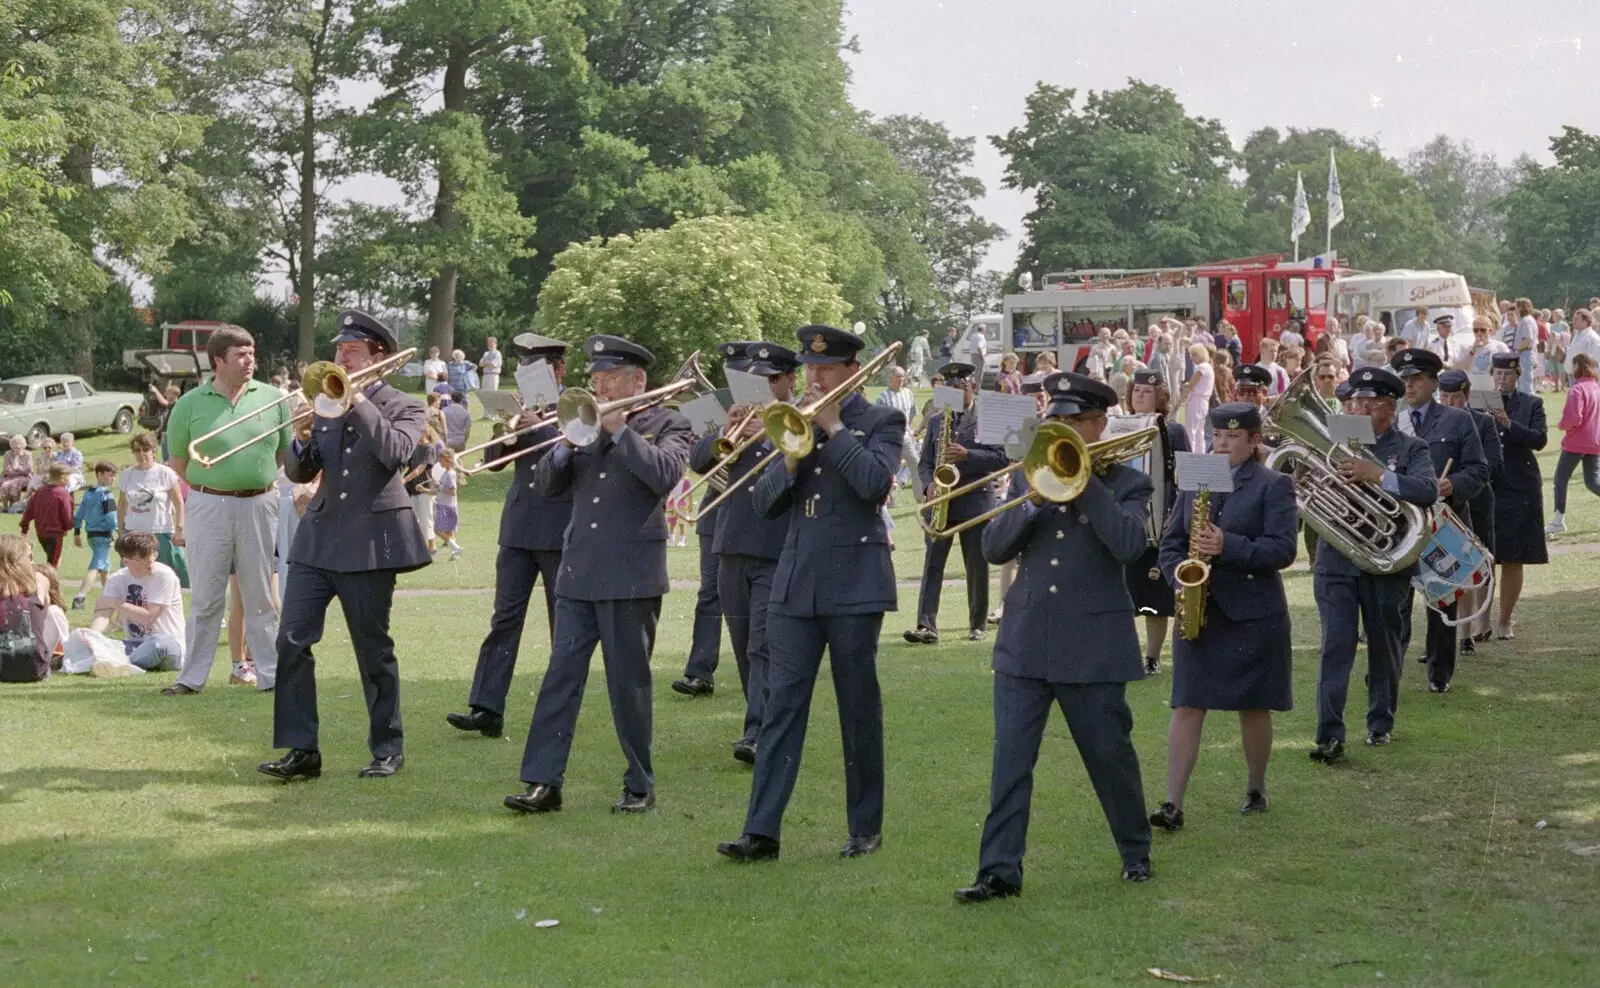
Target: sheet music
{"points": [[1484, 396], [705, 414], [1017, 447], [499, 404], [1000, 417], [1208, 470], [948, 399], [1351, 429], [747, 388], [537, 383]]}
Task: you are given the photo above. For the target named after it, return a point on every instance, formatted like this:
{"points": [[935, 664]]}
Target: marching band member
{"points": [[1452, 440], [747, 544], [1252, 383], [358, 533], [1519, 491], [532, 527], [1454, 390], [1067, 639], [613, 575], [1148, 395], [833, 583], [1344, 592], [705, 649], [1242, 658], [1033, 384], [972, 460]]}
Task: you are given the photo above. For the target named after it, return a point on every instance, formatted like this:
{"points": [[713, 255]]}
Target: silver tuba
{"points": [[1372, 528]]}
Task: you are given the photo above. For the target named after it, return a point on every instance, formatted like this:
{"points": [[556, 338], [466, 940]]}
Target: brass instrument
{"points": [[1366, 524], [946, 475], [323, 379], [727, 451], [789, 427], [583, 412], [1194, 573], [1058, 465]]}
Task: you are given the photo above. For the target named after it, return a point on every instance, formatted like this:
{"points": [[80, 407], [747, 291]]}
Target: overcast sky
{"points": [[1504, 75]]}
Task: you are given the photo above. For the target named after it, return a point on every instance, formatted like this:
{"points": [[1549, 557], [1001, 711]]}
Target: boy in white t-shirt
{"points": [[144, 594]]}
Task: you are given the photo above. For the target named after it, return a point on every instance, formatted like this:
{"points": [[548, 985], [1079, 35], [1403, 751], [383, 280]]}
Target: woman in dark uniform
{"points": [[1241, 660], [1519, 490], [1152, 597]]}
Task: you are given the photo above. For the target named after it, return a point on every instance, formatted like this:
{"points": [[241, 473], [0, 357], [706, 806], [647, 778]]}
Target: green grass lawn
{"points": [[139, 846]]}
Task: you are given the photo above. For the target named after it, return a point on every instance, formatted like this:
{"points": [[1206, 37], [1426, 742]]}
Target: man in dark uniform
{"points": [[1068, 639], [1344, 592], [1252, 383], [1455, 388], [357, 534], [532, 527], [1519, 492], [973, 460], [833, 583], [705, 649], [748, 544], [1462, 471], [613, 576]]}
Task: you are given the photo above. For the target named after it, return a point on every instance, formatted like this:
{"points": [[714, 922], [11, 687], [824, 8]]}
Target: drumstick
{"points": [[1446, 471]]}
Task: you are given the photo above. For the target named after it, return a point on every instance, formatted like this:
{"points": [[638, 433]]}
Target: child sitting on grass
{"points": [[22, 602], [97, 515], [50, 509], [146, 597], [53, 630]]}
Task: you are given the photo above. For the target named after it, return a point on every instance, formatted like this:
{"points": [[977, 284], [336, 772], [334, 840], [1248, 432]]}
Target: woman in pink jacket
{"points": [[1580, 420]]}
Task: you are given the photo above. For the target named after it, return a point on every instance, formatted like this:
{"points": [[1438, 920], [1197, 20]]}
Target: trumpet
{"points": [[789, 428], [1058, 465], [578, 415], [323, 379]]}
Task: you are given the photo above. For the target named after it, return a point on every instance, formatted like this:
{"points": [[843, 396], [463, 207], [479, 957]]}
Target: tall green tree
{"points": [[1120, 178], [1552, 224], [1463, 186]]}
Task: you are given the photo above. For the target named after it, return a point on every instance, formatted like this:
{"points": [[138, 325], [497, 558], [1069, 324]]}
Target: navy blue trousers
{"points": [[705, 651], [745, 585], [515, 573], [1377, 602]]}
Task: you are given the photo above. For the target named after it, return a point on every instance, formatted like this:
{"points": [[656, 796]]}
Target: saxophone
{"points": [[1194, 573], [945, 475]]}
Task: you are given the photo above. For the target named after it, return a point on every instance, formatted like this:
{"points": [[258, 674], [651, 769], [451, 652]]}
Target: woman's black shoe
{"points": [[1168, 817], [1255, 801], [987, 887]]}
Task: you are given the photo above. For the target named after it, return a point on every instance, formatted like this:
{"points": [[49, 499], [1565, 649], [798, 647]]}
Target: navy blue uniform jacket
{"points": [[530, 520], [741, 530], [1257, 520], [1520, 443], [981, 460]]}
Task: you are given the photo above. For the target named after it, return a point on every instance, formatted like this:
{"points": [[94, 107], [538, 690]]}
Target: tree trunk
{"points": [[442, 289], [78, 166], [306, 288]]}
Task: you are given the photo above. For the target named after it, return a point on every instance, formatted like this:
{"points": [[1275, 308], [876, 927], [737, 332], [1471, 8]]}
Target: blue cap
{"points": [[1504, 361], [1415, 360], [356, 326], [733, 355], [1455, 380], [610, 352], [1253, 375], [1375, 382], [1236, 415], [1341, 390], [827, 345], [1073, 394], [770, 359]]}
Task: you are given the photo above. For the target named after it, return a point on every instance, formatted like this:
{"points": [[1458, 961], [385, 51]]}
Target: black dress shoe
{"points": [[857, 847], [634, 802], [1328, 752], [485, 722], [1137, 872], [1152, 666], [744, 750], [1167, 817], [693, 686], [922, 636], [1438, 687], [1469, 647], [299, 763], [1255, 801], [382, 768], [539, 798], [750, 847], [987, 887], [975, 635], [1483, 636]]}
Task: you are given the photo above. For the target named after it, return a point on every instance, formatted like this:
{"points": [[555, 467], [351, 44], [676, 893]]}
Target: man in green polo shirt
{"points": [[232, 508]]}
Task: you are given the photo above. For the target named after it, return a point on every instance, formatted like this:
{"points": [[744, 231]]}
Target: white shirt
{"points": [[978, 347], [902, 401], [149, 504], [1448, 350], [160, 587], [489, 363], [1587, 341], [1280, 378], [434, 370], [1416, 331], [1480, 359], [1524, 335]]}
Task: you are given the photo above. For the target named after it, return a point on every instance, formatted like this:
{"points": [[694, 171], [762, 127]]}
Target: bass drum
{"points": [[1453, 564]]}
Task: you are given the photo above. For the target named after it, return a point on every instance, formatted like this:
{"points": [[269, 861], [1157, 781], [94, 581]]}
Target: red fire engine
{"points": [[1257, 295]]}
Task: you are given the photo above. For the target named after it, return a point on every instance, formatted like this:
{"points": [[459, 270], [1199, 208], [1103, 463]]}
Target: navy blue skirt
{"points": [[1519, 527], [1234, 665]]}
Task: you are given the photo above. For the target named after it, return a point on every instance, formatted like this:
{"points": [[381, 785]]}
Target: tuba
{"points": [[1372, 528]]}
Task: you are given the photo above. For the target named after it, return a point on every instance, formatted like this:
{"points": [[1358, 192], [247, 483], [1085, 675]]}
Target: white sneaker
{"points": [[1507, 632], [1558, 524], [455, 553], [243, 675]]}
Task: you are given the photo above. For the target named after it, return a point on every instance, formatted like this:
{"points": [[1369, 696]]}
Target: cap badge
{"points": [[1233, 423], [1408, 357], [818, 344], [762, 353], [349, 320], [1366, 376], [599, 345]]}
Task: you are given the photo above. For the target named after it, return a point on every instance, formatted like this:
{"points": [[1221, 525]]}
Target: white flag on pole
{"points": [[1335, 197], [1302, 211]]}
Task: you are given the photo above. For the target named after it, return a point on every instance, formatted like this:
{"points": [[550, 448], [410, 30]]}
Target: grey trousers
{"points": [[1101, 725], [231, 535]]}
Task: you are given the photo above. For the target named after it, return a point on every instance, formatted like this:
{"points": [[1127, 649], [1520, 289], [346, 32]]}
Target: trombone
{"points": [[578, 414], [1058, 465], [324, 379], [727, 451], [789, 428]]}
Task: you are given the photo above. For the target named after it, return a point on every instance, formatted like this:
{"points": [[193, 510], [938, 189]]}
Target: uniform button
{"points": [[1059, 534], [1083, 519], [602, 475], [863, 538], [346, 473], [347, 449], [1052, 588], [530, 487], [1055, 562], [594, 524], [342, 495], [324, 428], [816, 470], [1249, 576], [596, 500], [751, 489]]}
